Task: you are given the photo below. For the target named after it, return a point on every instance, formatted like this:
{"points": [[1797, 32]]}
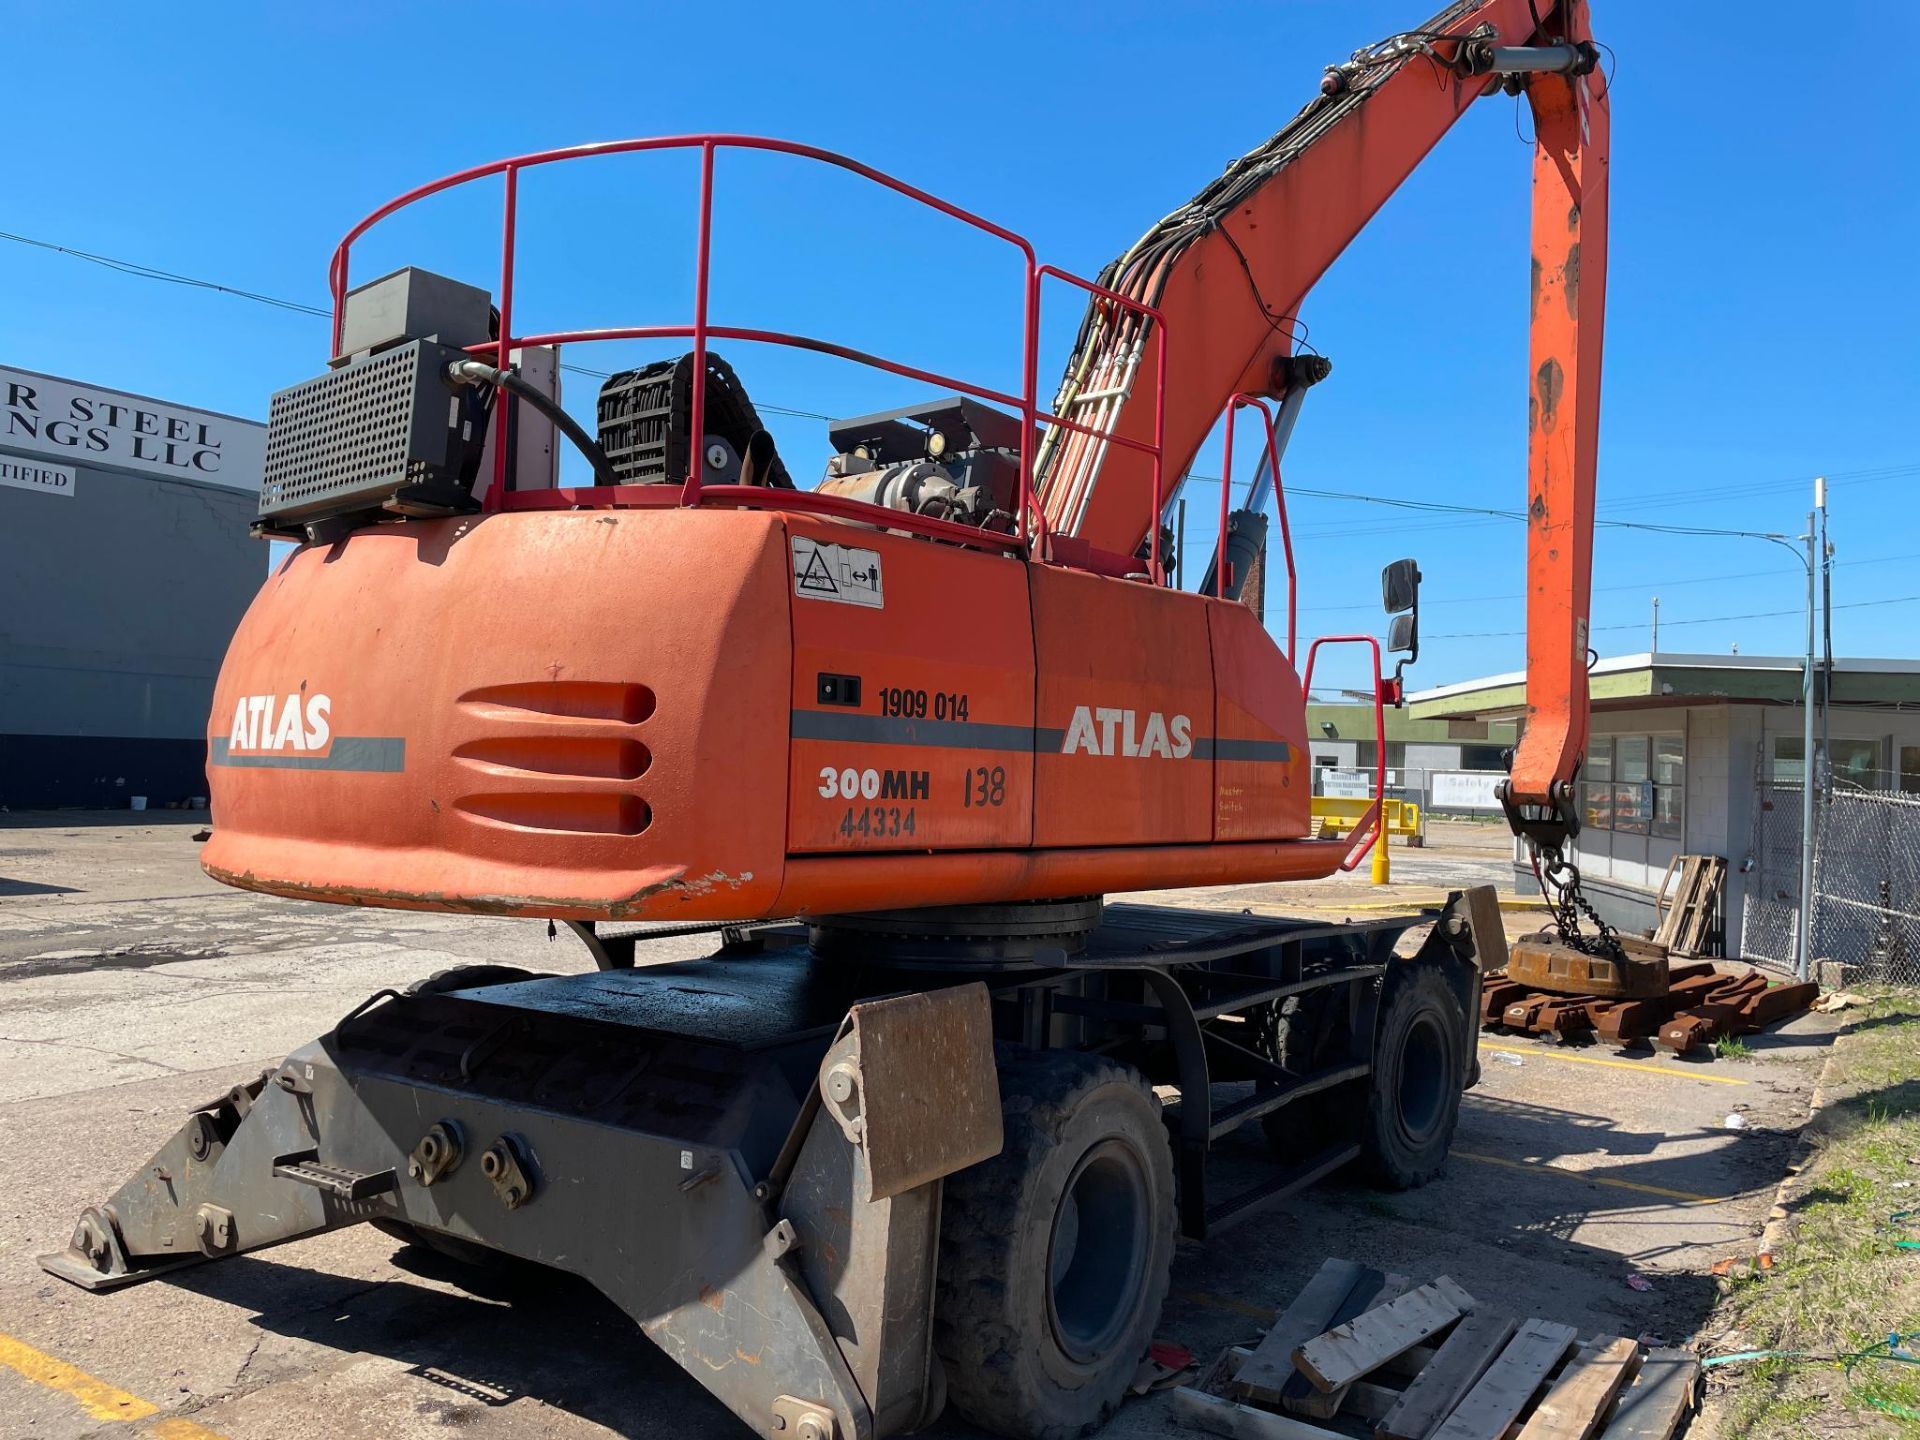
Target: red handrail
{"points": [[1375, 817], [1234, 404], [1030, 525]]}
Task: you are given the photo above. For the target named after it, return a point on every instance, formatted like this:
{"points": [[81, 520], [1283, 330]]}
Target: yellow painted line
{"points": [[179, 1428], [1229, 1304], [1414, 902], [1671, 1072], [99, 1399], [1685, 1196]]}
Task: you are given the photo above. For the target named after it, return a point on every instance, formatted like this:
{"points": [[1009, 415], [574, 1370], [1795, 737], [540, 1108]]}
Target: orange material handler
{"points": [[921, 1146]]}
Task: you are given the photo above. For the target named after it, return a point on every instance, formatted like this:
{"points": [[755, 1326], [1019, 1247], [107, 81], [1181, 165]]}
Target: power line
{"points": [[151, 272], [1702, 620], [1637, 586], [1644, 500]]}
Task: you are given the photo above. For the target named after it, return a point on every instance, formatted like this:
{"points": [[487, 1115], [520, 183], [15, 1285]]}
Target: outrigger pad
{"points": [[911, 1080], [1542, 962]]}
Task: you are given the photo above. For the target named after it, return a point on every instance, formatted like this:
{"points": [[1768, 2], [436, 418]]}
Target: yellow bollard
{"points": [[1381, 868]]}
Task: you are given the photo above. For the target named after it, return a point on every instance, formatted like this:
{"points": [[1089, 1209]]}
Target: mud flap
{"points": [[908, 1094], [1468, 941]]}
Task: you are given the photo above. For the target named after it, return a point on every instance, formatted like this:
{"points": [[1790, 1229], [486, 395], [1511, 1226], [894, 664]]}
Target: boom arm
{"points": [[1229, 270]]}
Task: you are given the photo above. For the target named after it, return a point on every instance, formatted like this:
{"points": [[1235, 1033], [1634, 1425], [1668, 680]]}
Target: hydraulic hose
{"points": [[479, 372]]}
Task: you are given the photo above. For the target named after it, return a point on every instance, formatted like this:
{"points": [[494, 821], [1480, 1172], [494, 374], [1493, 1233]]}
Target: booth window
{"points": [[1635, 784], [1853, 764]]}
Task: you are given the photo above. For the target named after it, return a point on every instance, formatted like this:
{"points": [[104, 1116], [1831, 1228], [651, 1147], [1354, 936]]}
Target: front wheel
{"points": [[1055, 1255]]}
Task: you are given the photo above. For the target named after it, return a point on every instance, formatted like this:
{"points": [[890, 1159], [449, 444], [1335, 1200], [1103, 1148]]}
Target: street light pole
{"points": [[1803, 946]]}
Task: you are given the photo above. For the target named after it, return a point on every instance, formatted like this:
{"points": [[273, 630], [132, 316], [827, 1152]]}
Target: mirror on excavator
{"points": [[1400, 595], [1400, 587]]}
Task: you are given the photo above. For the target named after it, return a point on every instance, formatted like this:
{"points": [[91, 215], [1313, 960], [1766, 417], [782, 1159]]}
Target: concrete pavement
{"points": [[132, 989]]}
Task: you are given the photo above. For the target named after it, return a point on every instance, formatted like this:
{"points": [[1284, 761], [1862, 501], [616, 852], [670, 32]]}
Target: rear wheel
{"points": [[1414, 1102], [1055, 1254]]}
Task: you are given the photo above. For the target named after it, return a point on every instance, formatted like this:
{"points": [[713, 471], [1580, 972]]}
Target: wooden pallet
{"points": [[1431, 1363], [1689, 925]]}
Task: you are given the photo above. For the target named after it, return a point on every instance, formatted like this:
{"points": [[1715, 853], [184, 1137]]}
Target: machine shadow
{"points": [[503, 1333]]}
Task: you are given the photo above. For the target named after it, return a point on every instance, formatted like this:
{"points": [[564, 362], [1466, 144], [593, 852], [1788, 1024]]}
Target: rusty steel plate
{"points": [[1541, 962], [929, 1095]]}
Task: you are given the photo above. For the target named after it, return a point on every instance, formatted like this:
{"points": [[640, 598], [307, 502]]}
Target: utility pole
{"points": [[1804, 945], [1654, 647], [1826, 644]]}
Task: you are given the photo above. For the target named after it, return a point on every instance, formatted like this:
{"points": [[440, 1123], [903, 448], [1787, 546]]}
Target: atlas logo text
{"points": [[1100, 730], [280, 722]]}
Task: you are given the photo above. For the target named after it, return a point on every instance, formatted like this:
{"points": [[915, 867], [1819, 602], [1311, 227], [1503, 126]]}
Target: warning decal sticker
{"points": [[837, 572]]}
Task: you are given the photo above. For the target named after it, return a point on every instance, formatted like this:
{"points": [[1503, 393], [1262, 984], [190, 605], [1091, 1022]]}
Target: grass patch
{"points": [[1842, 1285], [1732, 1047]]}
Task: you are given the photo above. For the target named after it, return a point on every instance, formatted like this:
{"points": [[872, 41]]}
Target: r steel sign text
{"points": [[84, 423], [32, 475]]}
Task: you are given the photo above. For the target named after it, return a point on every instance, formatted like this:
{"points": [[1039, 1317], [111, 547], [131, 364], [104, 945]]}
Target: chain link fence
{"points": [[1866, 880]]}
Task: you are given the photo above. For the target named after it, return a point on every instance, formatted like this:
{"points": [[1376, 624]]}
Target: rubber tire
{"points": [[472, 977], [1007, 1371], [1310, 1034], [1413, 1102]]}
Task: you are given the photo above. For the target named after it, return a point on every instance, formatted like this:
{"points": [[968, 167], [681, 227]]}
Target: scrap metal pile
{"points": [[1698, 1005]]}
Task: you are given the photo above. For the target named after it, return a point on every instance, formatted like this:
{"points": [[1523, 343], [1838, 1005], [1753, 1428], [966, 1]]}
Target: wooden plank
{"points": [[1217, 1378], [1660, 1399], [1671, 923], [1364, 1400], [1409, 1365], [1585, 1390], [1368, 1401], [1700, 916], [1266, 1372], [1499, 1396], [1664, 910], [1349, 1351], [1710, 898], [1686, 897], [1457, 1366], [1300, 1396], [1242, 1422]]}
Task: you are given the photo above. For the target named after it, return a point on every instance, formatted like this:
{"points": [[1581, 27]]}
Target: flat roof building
{"points": [[1704, 755], [125, 565]]}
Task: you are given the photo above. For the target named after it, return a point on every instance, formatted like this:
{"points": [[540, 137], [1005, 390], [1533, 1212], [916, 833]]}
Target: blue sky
{"points": [[1762, 292]]}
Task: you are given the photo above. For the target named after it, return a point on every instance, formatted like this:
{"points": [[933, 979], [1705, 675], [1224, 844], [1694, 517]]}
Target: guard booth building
{"points": [[125, 565], [1704, 755]]}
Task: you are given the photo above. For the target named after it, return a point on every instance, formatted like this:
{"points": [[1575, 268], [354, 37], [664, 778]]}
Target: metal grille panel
{"points": [[347, 439]]}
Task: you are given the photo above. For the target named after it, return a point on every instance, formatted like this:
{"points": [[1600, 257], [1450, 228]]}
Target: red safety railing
{"points": [[1030, 526], [1372, 821], [1221, 579]]}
